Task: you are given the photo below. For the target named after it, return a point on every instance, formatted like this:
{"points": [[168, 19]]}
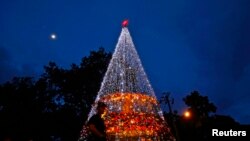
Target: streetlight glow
{"points": [[187, 114]]}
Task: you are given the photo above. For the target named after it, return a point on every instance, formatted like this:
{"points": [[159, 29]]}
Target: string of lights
{"points": [[133, 110]]}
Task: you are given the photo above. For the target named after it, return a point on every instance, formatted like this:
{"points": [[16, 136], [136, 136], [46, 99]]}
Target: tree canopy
{"points": [[200, 106], [56, 104]]}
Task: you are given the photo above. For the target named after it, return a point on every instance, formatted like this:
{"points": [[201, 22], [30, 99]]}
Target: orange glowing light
{"points": [[187, 114], [132, 115]]}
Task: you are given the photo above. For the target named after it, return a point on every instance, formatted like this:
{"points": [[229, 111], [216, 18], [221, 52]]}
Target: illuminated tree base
{"points": [[131, 116], [134, 124]]}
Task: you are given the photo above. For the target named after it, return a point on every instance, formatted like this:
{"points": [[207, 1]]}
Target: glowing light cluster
{"points": [[133, 110], [134, 124], [133, 115], [130, 102]]}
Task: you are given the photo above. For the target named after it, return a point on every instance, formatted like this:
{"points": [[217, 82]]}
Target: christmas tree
{"points": [[133, 110]]}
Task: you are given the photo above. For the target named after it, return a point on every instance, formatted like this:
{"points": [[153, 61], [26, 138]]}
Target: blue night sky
{"points": [[184, 45]]}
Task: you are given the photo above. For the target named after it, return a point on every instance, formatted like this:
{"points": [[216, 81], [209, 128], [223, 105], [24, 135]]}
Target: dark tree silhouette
{"points": [[18, 107], [199, 126], [196, 127], [199, 105], [70, 93], [56, 105]]}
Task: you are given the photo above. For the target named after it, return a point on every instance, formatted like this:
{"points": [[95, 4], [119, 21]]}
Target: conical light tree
{"points": [[133, 110]]}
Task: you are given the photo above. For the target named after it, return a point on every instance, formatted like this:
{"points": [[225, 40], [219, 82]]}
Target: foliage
{"points": [[56, 105], [199, 105], [199, 125]]}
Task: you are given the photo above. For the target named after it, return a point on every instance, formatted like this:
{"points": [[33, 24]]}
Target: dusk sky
{"points": [[184, 45]]}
